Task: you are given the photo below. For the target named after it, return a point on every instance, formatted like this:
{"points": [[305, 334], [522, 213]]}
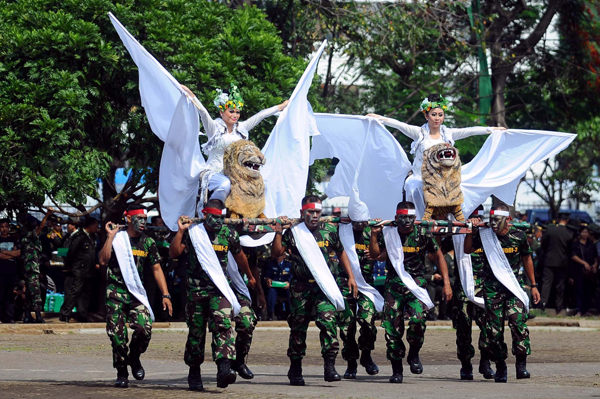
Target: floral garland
{"points": [[232, 99], [427, 105]]}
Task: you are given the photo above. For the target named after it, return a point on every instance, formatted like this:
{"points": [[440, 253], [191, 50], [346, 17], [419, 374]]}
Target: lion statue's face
{"points": [[244, 159], [443, 154]]}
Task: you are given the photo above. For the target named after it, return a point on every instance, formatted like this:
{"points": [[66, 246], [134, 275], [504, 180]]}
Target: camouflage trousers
{"points": [[245, 322], [210, 307], [398, 300], [463, 311], [346, 320], [501, 304], [122, 308], [33, 293], [306, 296], [359, 310]]}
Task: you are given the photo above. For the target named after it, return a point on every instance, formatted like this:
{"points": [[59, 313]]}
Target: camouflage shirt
{"points": [[415, 245], [514, 244], [328, 240], [145, 255], [362, 240], [224, 241], [31, 252]]}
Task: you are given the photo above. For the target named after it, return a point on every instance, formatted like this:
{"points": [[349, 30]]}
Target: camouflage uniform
{"points": [[245, 322], [463, 311], [399, 299], [205, 302], [31, 255], [306, 295], [500, 303], [123, 308], [360, 309]]}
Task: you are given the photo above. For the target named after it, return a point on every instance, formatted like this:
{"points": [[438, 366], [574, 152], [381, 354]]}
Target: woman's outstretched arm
{"points": [[207, 120], [265, 113], [408, 130]]}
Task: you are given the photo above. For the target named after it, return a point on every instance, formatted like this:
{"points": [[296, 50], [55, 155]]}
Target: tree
{"points": [[70, 111]]}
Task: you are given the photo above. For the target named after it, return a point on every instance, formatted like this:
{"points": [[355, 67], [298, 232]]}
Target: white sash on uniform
{"points": [[124, 254], [210, 263], [347, 238], [395, 252], [500, 266], [313, 257]]}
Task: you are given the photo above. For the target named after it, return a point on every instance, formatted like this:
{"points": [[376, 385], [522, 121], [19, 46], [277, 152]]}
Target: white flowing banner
{"points": [[174, 119], [372, 164], [287, 149], [287, 153], [504, 159]]}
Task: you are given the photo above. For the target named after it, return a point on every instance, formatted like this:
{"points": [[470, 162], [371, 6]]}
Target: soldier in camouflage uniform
{"points": [[122, 307], [206, 304], [500, 303], [306, 294], [31, 253], [464, 311], [416, 242], [359, 310]]}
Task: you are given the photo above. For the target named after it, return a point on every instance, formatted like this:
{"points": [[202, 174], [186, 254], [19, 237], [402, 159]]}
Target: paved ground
{"points": [[71, 362]]}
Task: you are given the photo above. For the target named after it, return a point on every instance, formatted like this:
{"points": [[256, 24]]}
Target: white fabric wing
{"points": [[313, 257], [131, 277], [500, 266], [287, 150], [503, 161], [174, 119], [372, 163], [347, 239], [210, 263], [393, 245]]}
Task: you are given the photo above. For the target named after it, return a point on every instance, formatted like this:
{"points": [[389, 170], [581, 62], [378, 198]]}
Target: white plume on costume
{"points": [[358, 211]]}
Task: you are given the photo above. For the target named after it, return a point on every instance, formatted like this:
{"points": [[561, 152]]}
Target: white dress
{"points": [[212, 178], [422, 141]]}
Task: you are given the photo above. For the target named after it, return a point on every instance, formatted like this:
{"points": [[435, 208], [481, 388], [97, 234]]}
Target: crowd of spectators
{"points": [[565, 259]]}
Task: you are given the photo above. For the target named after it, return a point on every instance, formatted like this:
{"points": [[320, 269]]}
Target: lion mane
{"points": [[241, 163], [441, 176]]}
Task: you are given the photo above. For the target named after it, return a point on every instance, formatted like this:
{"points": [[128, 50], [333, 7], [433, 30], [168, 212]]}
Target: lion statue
{"points": [[441, 182], [241, 163]]}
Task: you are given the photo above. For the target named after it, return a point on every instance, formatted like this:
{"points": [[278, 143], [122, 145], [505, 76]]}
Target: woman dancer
{"points": [[221, 132], [433, 132]]}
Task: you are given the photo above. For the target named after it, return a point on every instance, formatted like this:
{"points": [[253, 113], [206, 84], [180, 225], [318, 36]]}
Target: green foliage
{"points": [[70, 109]]}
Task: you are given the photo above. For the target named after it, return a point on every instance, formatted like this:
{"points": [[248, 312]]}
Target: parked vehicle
{"points": [[542, 216]]}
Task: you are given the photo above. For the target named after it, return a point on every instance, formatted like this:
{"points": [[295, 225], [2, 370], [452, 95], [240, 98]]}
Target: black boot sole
{"points": [[523, 376], [227, 380], [349, 376], [298, 383], [396, 380]]}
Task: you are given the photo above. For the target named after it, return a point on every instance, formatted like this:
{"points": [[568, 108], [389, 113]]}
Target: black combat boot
{"points": [[414, 362], [330, 375], [242, 369], [501, 372], [351, 370], [195, 379], [122, 374], [521, 367], [38, 317], [225, 375], [466, 371], [136, 366], [485, 368], [295, 372], [27, 317], [367, 362], [397, 376]]}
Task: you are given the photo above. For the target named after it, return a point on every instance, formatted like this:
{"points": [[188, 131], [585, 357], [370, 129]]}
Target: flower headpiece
{"points": [[427, 105], [232, 99]]}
